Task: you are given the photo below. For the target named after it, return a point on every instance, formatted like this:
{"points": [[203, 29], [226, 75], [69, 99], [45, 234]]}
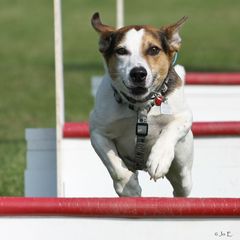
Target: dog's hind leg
{"points": [[180, 172], [125, 181]]}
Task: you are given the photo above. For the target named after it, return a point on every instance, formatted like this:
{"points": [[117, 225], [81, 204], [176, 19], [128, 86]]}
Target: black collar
{"points": [[147, 102]]}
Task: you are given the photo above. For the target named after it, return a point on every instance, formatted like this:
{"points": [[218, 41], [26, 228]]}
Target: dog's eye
{"points": [[121, 51], [153, 51]]}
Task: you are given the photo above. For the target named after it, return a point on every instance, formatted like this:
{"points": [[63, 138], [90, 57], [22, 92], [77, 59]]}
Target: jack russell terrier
{"points": [[141, 120]]}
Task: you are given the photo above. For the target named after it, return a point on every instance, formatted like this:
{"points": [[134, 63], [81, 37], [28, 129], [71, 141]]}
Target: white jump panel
{"points": [[214, 103], [39, 228], [40, 174], [215, 171]]}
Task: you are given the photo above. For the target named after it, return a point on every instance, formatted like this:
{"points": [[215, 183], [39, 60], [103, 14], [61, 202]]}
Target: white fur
{"points": [[169, 144]]}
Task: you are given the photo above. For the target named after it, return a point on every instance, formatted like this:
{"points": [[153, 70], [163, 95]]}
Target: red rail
{"points": [[121, 207], [81, 130], [198, 78], [216, 128], [76, 130]]}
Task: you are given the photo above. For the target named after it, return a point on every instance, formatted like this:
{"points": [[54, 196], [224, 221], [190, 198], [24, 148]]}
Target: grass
{"points": [[210, 43]]}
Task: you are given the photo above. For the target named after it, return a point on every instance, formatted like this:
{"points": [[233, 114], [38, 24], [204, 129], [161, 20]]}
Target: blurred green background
{"points": [[210, 43]]}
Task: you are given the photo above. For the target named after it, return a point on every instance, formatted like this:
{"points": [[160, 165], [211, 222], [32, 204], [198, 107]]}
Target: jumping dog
{"points": [[141, 120]]}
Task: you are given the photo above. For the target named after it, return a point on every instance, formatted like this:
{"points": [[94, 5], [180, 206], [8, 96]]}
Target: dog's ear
{"points": [[172, 34], [99, 26], [105, 32]]}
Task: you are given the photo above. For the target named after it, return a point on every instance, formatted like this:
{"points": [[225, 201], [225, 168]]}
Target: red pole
{"points": [[195, 78], [231, 128], [216, 129], [121, 207]]}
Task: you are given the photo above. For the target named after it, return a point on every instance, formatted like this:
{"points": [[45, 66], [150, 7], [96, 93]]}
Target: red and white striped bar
{"points": [[200, 129], [121, 207], [199, 78]]}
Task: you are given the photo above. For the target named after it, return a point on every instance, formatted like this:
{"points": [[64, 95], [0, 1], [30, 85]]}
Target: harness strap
{"points": [[141, 133]]}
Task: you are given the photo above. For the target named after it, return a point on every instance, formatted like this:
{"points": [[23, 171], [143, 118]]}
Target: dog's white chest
{"points": [[126, 136]]}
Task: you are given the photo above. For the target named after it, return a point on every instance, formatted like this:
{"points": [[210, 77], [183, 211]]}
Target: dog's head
{"points": [[138, 58]]}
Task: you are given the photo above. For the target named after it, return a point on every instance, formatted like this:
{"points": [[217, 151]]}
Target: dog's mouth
{"points": [[138, 90]]}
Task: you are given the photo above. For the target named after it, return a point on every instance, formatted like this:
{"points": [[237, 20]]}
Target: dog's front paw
{"points": [[128, 185], [159, 161]]}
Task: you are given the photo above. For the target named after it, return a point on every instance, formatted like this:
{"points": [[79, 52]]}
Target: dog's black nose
{"points": [[138, 74]]}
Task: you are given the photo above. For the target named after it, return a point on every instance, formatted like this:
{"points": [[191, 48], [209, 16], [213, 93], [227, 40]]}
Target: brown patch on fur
{"points": [[112, 66], [160, 63], [110, 56]]}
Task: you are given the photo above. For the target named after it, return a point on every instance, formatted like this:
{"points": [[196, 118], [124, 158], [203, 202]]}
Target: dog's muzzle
{"points": [[138, 77]]}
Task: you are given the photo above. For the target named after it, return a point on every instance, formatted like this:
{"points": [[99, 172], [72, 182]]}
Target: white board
{"points": [[62, 228], [215, 171]]}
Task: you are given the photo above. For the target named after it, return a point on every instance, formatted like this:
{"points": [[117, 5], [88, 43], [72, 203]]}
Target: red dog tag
{"points": [[158, 100]]}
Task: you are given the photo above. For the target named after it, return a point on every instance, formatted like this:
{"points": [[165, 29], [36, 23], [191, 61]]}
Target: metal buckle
{"points": [[142, 129]]}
